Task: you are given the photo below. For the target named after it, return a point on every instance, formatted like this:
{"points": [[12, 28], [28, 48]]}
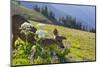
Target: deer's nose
{"points": [[62, 46]]}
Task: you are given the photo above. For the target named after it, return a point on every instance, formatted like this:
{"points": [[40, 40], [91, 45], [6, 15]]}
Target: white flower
{"points": [[26, 26], [41, 33]]}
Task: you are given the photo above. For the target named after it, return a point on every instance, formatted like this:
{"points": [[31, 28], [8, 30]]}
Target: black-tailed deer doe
{"points": [[58, 40]]}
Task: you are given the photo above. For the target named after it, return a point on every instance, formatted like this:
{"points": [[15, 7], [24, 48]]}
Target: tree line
{"points": [[66, 21]]}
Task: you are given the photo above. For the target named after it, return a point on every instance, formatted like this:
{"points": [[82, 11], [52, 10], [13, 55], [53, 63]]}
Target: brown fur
{"points": [[51, 41]]}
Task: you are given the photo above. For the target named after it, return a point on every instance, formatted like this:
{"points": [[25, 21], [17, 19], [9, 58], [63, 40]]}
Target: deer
{"points": [[58, 40], [46, 42], [17, 21]]}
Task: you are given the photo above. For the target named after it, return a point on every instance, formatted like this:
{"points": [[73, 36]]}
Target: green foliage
{"points": [[20, 61], [38, 60], [80, 50], [43, 55], [28, 53]]}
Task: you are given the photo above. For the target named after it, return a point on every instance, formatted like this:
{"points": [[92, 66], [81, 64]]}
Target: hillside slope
{"points": [[80, 47], [82, 43], [18, 9], [84, 14]]}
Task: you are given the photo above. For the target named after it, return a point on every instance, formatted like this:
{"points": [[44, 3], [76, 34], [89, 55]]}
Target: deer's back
{"points": [[47, 42]]}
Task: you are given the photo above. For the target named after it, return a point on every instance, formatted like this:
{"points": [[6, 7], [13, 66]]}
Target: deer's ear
{"points": [[55, 32]]}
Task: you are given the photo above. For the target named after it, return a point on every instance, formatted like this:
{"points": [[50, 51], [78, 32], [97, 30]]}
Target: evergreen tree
{"points": [[19, 3], [83, 28], [67, 21], [42, 10], [37, 8], [59, 20], [93, 30], [79, 26], [46, 11]]}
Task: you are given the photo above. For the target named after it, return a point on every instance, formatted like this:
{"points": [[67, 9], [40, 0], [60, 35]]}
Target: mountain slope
{"points": [[18, 9], [84, 14]]}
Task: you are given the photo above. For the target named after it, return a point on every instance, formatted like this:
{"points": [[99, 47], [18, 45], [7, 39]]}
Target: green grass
{"points": [[82, 43], [82, 47]]}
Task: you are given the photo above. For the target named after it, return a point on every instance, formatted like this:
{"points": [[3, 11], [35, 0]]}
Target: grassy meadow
{"points": [[82, 43], [80, 47]]}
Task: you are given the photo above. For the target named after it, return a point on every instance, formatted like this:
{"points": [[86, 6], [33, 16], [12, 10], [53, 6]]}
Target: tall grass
{"points": [[80, 46]]}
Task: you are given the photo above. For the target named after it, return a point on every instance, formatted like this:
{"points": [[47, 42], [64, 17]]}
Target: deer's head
{"points": [[58, 38]]}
